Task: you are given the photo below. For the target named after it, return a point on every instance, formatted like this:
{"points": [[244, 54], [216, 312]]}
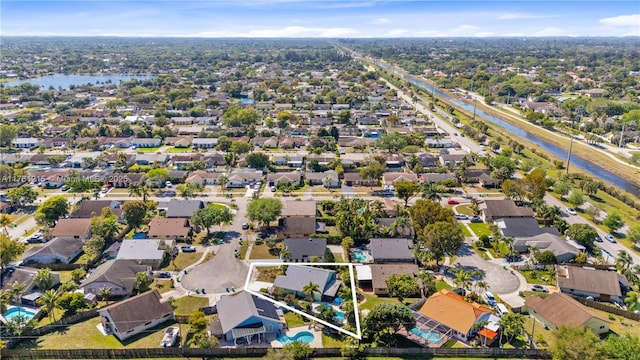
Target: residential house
{"points": [[293, 160], [436, 178], [25, 275], [181, 208], [524, 227], [297, 219], [150, 252], [303, 250], [118, 275], [204, 177], [601, 285], [146, 142], [58, 250], [169, 229], [329, 178], [354, 179], [292, 142], [136, 315], [72, 229], [386, 227], [204, 143], [428, 160], [291, 178], [242, 178], [178, 141], [90, 208], [246, 317], [48, 143], [494, 209], [386, 250], [152, 159], [561, 248], [394, 177], [124, 180], [451, 314], [299, 276], [380, 273], [25, 143], [559, 309], [439, 143], [452, 159]]}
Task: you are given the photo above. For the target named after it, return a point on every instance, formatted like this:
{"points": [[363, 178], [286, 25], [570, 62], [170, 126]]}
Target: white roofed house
{"points": [[149, 252], [242, 178]]}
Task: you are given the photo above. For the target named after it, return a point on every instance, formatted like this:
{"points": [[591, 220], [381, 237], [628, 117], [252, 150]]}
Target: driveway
{"points": [[224, 270], [500, 281]]}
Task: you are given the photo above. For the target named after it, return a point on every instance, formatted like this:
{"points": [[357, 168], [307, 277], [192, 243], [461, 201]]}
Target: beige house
{"points": [[559, 309]]}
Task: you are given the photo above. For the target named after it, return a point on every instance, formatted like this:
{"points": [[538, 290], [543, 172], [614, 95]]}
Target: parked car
{"points": [[598, 238], [245, 226], [188, 248], [164, 275], [610, 238], [571, 211], [476, 219], [539, 288], [462, 217], [273, 188], [168, 184], [453, 202], [64, 188]]}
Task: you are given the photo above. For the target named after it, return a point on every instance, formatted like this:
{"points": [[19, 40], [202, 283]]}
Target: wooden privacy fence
{"points": [[260, 352]]}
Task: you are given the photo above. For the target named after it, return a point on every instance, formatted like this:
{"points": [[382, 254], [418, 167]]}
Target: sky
{"points": [[319, 19]]}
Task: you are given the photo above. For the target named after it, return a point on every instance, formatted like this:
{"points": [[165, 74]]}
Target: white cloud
{"points": [[553, 31], [522, 16], [290, 31], [622, 20], [380, 20], [396, 32], [483, 34]]}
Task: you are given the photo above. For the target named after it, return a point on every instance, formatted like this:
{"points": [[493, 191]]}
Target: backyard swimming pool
{"points": [[140, 235], [431, 336], [16, 312], [339, 316], [358, 256], [304, 337]]}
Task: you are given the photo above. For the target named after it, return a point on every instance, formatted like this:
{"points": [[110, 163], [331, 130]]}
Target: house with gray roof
{"points": [[149, 252], [90, 208], [586, 281], [146, 142], [247, 317], [119, 275], [135, 315], [58, 250], [385, 250], [242, 178], [181, 208], [299, 276], [150, 159], [303, 250], [292, 177], [204, 143], [329, 178], [522, 227], [25, 275], [564, 250]]}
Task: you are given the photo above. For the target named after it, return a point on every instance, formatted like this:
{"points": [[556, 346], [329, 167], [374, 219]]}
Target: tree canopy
{"points": [[264, 210]]}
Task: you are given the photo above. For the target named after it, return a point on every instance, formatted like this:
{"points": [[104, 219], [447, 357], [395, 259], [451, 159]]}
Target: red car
{"points": [[453, 202]]}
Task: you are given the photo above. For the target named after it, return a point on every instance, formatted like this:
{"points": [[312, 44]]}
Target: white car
{"points": [[610, 239], [571, 211]]}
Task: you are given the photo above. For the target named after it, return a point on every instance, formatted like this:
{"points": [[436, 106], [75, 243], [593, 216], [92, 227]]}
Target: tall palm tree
{"points": [[399, 226], [5, 222], [632, 300], [223, 181], [49, 300], [430, 192], [5, 299], [285, 254], [482, 286], [146, 192], [624, 260], [135, 190], [105, 293], [310, 289]]}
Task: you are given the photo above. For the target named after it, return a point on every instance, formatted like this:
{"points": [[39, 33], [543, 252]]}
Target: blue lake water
{"points": [[65, 81], [576, 161]]}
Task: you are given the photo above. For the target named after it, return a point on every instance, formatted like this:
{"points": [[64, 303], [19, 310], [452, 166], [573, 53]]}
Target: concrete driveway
{"points": [[500, 281], [224, 270]]}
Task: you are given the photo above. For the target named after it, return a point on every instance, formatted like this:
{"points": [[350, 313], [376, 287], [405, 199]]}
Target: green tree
{"points": [[310, 289], [143, 282], [185, 190], [198, 321], [576, 198], [406, 190], [384, 321], [443, 238], [94, 246], [402, 286], [134, 212], [546, 257], [512, 326], [7, 134], [327, 313], [78, 274], [373, 171], [264, 210], [105, 226], [51, 210], [22, 195], [257, 160], [535, 184], [49, 299], [105, 293], [10, 251], [632, 300], [355, 218], [157, 177], [634, 235], [240, 147], [392, 142], [622, 347], [71, 302], [44, 279], [575, 343], [583, 234], [613, 221], [426, 212], [299, 350]]}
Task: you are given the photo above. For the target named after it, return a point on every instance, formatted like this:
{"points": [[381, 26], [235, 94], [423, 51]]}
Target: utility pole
{"points": [[474, 109]]}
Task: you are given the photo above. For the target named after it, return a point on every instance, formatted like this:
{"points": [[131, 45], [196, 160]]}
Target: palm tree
{"points": [[399, 226], [5, 299], [310, 289], [43, 279], [49, 300], [223, 181], [105, 293], [5, 222], [285, 254], [624, 260], [462, 279], [135, 190], [430, 192], [482, 286], [632, 300]]}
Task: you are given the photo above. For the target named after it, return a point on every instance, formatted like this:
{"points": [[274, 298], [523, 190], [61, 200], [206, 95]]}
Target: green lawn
{"points": [[262, 252], [163, 285], [182, 261], [480, 229], [466, 231], [294, 320], [619, 325], [332, 341], [243, 249], [464, 209], [539, 277], [179, 150], [187, 305], [373, 300], [441, 284], [147, 150]]}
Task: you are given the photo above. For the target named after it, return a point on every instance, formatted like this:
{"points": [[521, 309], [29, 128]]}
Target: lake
{"points": [[65, 81]]}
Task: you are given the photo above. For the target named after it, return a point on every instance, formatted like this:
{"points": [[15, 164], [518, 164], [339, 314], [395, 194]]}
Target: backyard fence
{"points": [[260, 352], [607, 308], [57, 266]]}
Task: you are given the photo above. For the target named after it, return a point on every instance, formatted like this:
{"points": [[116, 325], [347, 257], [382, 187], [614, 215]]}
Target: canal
{"points": [[582, 164]]}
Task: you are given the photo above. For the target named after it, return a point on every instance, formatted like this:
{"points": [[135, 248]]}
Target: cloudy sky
{"points": [[328, 18]]}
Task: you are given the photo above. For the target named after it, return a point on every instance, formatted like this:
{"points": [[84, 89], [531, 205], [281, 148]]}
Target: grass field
{"points": [[182, 261], [262, 252], [294, 320], [480, 229], [539, 277], [174, 150], [466, 231], [186, 305], [163, 285], [464, 209]]}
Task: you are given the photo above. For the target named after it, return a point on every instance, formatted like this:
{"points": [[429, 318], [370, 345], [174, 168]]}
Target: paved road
{"points": [[224, 270], [500, 281]]}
